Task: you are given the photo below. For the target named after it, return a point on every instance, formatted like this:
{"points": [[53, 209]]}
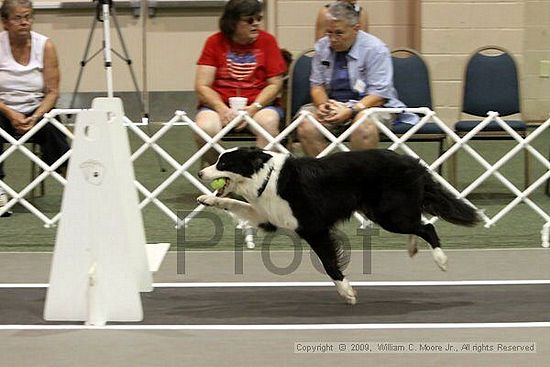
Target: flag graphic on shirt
{"points": [[241, 66]]}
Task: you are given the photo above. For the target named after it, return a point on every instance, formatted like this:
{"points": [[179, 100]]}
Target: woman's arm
{"points": [[267, 95], [204, 79], [51, 81]]}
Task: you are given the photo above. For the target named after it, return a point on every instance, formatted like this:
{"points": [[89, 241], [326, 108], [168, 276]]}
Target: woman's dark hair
{"points": [[234, 10]]}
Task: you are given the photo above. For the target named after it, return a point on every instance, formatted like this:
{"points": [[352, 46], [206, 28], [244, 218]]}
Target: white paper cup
{"points": [[237, 103]]}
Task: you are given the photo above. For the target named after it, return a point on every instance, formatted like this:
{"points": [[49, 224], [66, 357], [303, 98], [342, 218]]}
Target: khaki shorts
{"points": [[336, 129]]}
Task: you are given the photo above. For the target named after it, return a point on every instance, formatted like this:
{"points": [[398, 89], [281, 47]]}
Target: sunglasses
{"points": [[251, 19]]}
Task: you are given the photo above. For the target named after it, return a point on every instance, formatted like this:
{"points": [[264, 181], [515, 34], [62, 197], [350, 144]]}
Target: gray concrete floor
{"points": [[276, 348]]}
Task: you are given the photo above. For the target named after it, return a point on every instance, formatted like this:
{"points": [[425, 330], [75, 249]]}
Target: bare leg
{"points": [[210, 122], [269, 120], [366, 136], [312, 141]]}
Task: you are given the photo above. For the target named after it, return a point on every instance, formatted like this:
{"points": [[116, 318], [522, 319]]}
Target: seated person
{"points": [[351, 71], [321, 22], [29, 81], [240, 60]]}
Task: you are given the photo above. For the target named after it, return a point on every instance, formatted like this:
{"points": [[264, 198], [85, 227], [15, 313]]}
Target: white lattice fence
{"points": [[181, 169]]}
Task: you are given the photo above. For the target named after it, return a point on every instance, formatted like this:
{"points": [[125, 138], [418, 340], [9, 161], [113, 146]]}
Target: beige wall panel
{"points": [[448, 115], [174, 43], [293, 13], [474, 15], [296, 39], [533, 59], [538, 12], [388, 12], [447, 93], [538, 38], [392, 36], [446, 67], [536, 110], [496, 2], [538, 88], [446, 41], [70, 31]]}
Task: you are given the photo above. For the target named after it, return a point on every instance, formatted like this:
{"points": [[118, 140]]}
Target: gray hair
{"points": [[343, 11], [9, 5]]}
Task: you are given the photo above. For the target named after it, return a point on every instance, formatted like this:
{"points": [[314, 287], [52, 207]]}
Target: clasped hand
{"points": [[333, 112], [21, 123], [227, 115]]}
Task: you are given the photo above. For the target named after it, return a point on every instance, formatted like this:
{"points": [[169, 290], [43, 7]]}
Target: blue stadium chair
{"points": [[491, 84], [411, 79], [298, 84]]}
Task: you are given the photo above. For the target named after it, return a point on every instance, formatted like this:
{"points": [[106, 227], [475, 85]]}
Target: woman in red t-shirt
{"points": [[239, 61]]}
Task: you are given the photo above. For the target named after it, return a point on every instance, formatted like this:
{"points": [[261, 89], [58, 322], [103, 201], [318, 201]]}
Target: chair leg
{"points": [[35, 171], [547, 189], [33, 175], [440, 153]]}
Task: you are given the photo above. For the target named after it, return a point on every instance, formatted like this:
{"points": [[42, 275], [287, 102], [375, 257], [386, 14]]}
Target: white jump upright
{"points": [[100, 261]]}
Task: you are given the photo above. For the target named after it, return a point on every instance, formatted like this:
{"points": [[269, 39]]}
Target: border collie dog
{"points": [[311, 195]]}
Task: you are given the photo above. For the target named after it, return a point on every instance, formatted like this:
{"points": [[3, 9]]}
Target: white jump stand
{"points": [[100, 263]]}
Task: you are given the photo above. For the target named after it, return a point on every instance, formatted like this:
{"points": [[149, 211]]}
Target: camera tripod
{"points": [[105, 11]]}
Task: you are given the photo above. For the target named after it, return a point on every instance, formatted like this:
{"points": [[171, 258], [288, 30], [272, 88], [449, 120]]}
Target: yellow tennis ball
{"points": [[217, 183]]}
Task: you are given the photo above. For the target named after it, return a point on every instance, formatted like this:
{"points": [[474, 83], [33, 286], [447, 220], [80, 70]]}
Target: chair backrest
{"points": [[298, 84], [491, 83], [411, 78]]}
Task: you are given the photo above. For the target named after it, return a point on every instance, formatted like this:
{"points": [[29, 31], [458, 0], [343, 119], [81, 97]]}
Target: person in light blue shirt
{"points": [[351, 71]]}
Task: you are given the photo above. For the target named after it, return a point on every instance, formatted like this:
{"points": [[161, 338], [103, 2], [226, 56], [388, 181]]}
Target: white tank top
{"points": [[22, 86]]}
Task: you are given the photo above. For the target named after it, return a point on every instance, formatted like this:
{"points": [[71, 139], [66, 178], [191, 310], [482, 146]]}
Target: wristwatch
{"points": [[356, 108], [258, 105]]}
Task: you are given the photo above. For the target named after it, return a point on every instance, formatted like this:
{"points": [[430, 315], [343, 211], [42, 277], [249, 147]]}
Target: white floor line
{"points": [[292, 251], [496, 325], [319, 284]]}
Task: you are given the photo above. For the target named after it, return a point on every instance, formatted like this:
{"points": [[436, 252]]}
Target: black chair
{"points": [[411, 79], [298, 84], [491, 84]]}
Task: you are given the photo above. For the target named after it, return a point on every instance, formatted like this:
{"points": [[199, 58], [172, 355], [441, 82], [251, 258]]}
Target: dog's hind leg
{"points": [[408, 225], [428, 233], [329, 253], [411, 245]]}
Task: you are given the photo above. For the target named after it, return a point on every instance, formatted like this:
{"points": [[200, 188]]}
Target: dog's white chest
{"points": [[279, 213]]}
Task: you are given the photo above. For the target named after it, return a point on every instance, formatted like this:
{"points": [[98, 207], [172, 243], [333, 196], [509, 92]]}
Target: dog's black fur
{"points": [[390, 189]]}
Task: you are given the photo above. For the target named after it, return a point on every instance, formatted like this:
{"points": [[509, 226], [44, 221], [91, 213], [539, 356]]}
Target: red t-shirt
{"points": [[242, 70]]}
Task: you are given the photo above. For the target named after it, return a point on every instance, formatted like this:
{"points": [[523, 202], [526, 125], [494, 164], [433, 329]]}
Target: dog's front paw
{"points": [[207, 200]]}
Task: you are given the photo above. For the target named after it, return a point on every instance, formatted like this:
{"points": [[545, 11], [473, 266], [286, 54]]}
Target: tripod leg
{"points": [[126, 58], [83, 62], [129, 63]]}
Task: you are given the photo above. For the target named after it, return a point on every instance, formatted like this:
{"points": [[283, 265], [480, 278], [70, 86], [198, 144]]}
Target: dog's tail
{"points": [[442, 203]]}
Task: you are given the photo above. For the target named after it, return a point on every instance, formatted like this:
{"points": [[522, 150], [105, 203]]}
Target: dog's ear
{"points": [[260, 158]]}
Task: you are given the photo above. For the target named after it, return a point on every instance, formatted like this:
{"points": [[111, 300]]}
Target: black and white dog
{"points": [[310, 196]]}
